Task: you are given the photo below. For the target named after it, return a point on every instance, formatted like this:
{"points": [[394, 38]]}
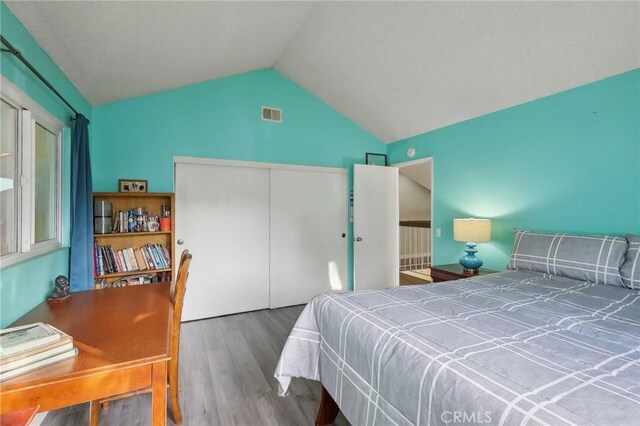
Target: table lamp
{"points": [[471, 231]]}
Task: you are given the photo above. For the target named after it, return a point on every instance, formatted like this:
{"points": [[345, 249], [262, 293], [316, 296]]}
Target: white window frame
{"points": [[30, 113]]}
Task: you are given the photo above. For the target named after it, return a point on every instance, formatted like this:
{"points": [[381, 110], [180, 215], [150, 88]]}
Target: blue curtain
{"points": [[81, 262]]}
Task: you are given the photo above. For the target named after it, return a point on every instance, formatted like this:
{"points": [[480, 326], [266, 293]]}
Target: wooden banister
{"points": [[416, 223]]}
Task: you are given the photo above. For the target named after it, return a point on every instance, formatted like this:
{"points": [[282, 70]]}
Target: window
{"points": [[30, 177], [9, 174], [45, 184]]}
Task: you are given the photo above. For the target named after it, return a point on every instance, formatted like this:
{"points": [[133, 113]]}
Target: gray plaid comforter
{"points": [[506, 349]]}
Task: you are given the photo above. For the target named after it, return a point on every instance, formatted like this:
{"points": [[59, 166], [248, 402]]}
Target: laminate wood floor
{"points": [[226, 377]]}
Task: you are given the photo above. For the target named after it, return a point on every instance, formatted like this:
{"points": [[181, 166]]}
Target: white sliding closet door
{"points": [[222, 215], [308, 230]]}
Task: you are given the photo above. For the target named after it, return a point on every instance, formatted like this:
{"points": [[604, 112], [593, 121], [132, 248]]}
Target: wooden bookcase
{"points": [[152, 202]]}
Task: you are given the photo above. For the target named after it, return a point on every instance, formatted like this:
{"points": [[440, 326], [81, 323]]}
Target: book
{"points": [[100, 260], [122, 264], [161, 254], [131, 259], [39, 364], [64, 338], [108, 267], [116, 223], [24, 337], [114, 267], [95, 258], [106, 260], [63, 345], [131, 220], [102, 283], [156, 256], [140, 259], [166, 254], [148, 257]]}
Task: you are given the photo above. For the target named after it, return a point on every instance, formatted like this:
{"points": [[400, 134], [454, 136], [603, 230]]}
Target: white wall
{"points": [[415, 200]]}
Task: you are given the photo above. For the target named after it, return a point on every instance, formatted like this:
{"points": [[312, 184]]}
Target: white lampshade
{"points": [[472, 230]]}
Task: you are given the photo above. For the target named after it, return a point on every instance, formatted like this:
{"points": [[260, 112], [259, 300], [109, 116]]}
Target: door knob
{"points": [[344, 235], [358, 239], [180, 242]]}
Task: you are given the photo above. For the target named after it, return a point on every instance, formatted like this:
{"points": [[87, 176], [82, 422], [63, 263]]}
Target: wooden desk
{"points": [[123, 338], [19, 418]]}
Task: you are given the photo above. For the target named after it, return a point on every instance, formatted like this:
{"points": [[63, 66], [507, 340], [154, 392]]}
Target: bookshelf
{"points": [[152, 203]]}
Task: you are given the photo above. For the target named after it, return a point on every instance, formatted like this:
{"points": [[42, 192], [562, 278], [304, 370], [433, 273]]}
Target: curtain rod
{"points": [[15, 52]]}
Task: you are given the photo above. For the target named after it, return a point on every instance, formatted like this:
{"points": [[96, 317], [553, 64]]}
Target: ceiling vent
{"points": [[271, 114]]}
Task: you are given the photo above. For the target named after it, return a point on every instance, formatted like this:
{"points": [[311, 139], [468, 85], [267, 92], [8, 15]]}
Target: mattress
{"points": [[509, 348]]}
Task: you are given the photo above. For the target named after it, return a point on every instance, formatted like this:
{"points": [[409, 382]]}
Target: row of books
{"points": [[134, 280], [110, 261], [32, 346]]}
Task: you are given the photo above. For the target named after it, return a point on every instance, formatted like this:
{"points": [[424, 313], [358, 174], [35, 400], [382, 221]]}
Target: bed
{"points": [[536, 344]]}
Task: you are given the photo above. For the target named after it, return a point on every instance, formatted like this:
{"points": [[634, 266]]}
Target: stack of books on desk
{"points": [[32, 346]]}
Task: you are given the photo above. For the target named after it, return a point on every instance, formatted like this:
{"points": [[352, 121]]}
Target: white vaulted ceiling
{"points": [[113, 50], [396, 68]]}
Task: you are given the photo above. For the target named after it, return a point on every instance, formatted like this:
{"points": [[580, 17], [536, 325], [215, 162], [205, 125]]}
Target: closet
{"points": [[262, 235]]}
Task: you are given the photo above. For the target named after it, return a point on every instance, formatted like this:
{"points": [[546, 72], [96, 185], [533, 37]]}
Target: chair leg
{"points": [[94, 413], [173, 392]]}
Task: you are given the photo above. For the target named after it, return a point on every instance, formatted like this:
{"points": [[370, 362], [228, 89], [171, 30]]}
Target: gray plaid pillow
{"points": [[581, 257], [630, 269]]}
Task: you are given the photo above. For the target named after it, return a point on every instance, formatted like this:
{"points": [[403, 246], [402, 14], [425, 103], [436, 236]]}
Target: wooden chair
{"points": [[178, 288]]}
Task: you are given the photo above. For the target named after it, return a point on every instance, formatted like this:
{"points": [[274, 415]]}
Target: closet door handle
{"points": [[344, 235], [358, 239]]}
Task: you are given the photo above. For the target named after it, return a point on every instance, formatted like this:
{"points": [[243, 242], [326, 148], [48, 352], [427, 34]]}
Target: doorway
{"points": [[415, 188]]}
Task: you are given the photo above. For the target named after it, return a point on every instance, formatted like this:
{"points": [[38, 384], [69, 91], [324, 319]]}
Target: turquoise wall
{"points": [[569, 162], [24, 285], [137, 138]]}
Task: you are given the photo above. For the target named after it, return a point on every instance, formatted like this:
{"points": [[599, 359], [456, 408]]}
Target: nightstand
{"points": [[455, 271]]}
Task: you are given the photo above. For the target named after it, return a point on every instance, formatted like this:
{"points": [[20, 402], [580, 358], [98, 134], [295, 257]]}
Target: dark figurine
{"points": [[61, 290]]}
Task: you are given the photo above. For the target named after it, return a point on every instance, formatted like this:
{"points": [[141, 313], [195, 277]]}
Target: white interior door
{"points": [[222, 215], [375, 227], [308, 230]]}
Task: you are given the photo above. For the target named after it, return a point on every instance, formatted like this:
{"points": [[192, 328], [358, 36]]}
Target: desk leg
{"points": [[159, 394], [94, 413]]}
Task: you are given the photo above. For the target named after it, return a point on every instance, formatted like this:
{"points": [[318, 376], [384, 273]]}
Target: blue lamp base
{"points": [[470, 261]]}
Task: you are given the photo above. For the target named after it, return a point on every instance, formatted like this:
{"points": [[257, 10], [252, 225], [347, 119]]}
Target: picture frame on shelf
{"points": [[372, 158], [133, 185]]}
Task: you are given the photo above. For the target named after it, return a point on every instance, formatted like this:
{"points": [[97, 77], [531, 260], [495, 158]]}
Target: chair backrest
{"points": [[177, 300], [174, 283]]}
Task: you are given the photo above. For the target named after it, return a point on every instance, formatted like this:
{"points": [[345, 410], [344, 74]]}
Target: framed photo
{"points": [[132, 185], [372, 158]]}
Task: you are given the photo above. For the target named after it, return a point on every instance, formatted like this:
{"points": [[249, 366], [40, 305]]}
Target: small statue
{"points": [[61, 290]]}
